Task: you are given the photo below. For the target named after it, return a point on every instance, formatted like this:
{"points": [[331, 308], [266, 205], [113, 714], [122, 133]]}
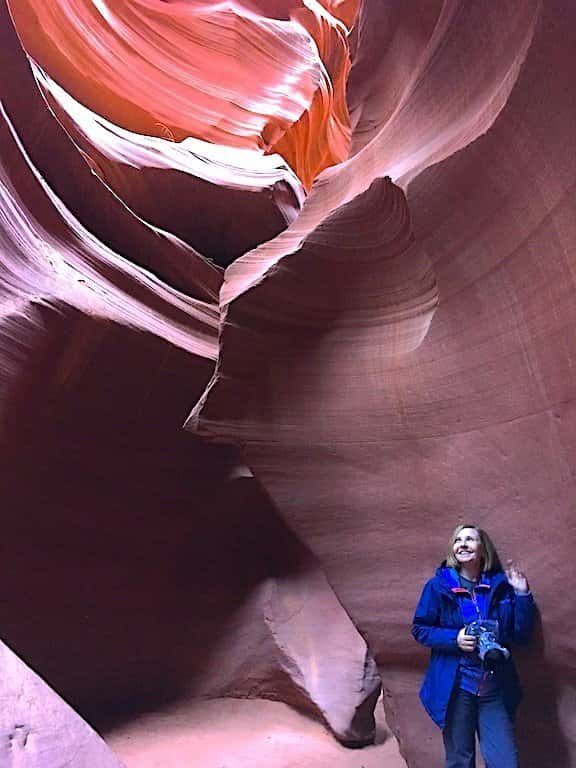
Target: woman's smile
{"points": [[467, 547]]}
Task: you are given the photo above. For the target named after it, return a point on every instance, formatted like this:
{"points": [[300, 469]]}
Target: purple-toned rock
{"points": [[38, 729]]}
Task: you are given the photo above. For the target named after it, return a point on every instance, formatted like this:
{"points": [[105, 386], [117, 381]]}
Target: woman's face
{"points": [[468, 548]]}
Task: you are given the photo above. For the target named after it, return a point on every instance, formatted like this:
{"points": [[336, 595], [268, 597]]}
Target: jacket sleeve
{"points": [[426, 628], [516, 614]]}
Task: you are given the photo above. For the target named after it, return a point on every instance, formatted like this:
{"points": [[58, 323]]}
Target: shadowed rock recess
{"points": [[287, 289]]}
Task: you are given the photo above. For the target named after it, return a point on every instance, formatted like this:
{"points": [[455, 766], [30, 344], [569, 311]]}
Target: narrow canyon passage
{"points": [[287, 290]]}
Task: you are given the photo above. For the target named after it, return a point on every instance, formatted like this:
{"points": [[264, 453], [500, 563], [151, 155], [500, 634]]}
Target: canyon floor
{"points": [[233, 733]]}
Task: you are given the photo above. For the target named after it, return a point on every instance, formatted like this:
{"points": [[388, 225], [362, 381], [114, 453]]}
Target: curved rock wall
{"points": [[336, 241]]}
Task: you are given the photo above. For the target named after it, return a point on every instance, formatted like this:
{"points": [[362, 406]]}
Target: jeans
{"points": [[487, 715]]}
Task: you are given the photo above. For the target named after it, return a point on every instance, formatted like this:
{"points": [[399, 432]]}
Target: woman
{"points": [[471, 685]]}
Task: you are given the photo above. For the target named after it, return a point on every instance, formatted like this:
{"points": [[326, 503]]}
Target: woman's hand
{"points": [[516, 578], [465, 642]]}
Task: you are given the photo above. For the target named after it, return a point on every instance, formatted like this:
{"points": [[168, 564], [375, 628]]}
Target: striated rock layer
{"points": [[272, 80], [190, 585], [114, 525], [394, 445], [388, 351]]}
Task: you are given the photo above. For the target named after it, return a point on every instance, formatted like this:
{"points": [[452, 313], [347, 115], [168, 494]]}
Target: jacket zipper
{"points": [[483, 672]]}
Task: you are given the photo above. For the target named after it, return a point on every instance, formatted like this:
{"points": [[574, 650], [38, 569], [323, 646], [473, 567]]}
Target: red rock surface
{"points": [[156, 562], [388, 351]]}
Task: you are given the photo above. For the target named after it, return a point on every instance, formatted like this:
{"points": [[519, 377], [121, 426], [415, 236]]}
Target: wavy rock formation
{"points": [[418, 133], [136, 63], [359, 289], [160, 568], [272, 80], [49, 257], [335, 240], [474, 421], [55, 160], [178, 187], [80, 304]]}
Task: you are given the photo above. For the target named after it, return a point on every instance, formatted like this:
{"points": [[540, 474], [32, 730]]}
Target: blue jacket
{"points": [[437, 621]]}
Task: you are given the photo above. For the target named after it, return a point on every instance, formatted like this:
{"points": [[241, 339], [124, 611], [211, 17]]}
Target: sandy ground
{"points": [[234, 733]]}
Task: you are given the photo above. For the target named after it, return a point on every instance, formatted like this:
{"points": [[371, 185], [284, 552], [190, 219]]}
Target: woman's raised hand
{"points": [[466, 643], [516, 578]]}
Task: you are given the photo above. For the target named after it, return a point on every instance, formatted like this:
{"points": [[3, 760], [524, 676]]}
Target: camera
{"points": [[489, 649]]}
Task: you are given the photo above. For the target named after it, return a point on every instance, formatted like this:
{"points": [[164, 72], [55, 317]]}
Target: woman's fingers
{"points": [[516, 577], [513, 569], [466, 642]]}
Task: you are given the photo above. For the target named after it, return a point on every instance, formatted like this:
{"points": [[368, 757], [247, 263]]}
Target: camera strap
{"points": [[473, 603]]}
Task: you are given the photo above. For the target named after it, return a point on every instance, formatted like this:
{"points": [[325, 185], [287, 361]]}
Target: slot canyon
{"points": [[287, 291]]}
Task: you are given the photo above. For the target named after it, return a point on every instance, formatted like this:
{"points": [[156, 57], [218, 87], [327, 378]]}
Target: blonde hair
{"points": [[490, 559]]}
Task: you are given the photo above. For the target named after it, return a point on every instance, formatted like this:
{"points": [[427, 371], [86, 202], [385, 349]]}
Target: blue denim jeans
{"points": [[486, 715]]}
